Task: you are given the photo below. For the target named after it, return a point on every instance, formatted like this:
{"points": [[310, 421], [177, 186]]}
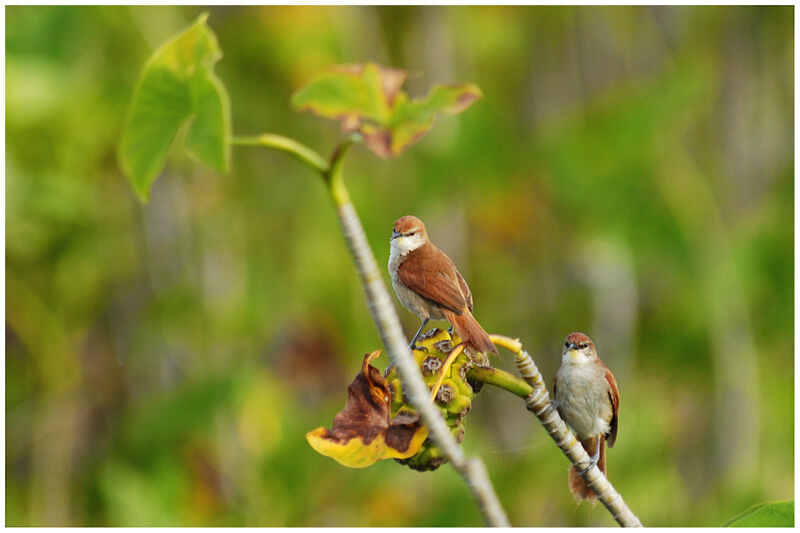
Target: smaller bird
{"points": [[429, 285], [587, 398]]}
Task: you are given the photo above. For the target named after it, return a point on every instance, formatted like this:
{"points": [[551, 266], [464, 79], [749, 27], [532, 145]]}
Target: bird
{"points": [[587, 398], [429, 285]]}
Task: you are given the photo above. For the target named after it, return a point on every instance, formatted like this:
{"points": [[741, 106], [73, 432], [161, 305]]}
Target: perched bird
{"points": [[587, 398], [429, 285]]}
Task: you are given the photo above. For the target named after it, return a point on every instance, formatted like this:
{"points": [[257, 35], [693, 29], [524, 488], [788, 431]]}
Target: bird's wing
{"points": [[555, 380], [433, 277], [613, 396], [462, 283]]}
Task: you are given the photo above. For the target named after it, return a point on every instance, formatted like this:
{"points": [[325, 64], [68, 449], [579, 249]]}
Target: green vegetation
{"points": [[177, 85], [628, 173], [778, 514]]}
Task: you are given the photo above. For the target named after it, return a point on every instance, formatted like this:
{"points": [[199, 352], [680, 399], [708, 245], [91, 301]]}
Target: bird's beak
{"points": [[574, 353], [395, 234]]}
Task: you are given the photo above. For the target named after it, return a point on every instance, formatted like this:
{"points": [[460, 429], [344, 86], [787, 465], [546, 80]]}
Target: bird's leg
{"points": [[419, 331], [596, 457], [554, 406], [593, 459]]}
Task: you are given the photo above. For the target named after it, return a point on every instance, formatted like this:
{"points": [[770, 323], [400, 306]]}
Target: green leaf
{"points": [[176, 86], [776, 514], [367, 98]]}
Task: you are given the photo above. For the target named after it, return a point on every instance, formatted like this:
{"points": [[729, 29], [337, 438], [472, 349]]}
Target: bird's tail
{"points": [[577, 485], [468, 329]]}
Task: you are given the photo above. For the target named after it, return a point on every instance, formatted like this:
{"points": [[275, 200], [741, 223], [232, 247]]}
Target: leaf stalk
{"points": [[500, 379], [298, 150]]}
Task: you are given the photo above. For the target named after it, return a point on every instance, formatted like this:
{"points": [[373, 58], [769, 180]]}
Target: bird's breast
{"points": [[582, 396], [410, 299]]}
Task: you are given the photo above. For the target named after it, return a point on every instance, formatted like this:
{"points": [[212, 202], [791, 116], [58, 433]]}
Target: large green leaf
{"points": [[367, 98], [176, 86], [776, 514]]}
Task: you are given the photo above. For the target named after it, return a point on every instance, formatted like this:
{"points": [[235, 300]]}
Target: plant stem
{"points": [[501, 379], [334, 176], [298, 150], [386, 320]]}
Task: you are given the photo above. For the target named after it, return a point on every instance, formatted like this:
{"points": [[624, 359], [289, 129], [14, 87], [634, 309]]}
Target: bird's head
{"points": [[408, 234], [578, 349]]}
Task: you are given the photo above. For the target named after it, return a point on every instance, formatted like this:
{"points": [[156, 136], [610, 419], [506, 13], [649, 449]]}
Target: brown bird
{"points": [[587, 398], [429, 285]]}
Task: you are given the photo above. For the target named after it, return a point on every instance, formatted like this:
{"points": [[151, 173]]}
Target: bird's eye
{"points": [[566, 344]]}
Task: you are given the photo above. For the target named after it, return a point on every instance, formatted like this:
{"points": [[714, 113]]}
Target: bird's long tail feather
{"points": [[577, 485], [468, 329]]}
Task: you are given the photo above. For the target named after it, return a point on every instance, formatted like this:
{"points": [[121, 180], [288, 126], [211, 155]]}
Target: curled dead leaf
{"points": [[363, 433]]}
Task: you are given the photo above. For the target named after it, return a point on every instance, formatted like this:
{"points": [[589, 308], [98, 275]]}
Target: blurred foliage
{"points": [[777, 514], [628, 173], [367, 98], [177, 85]]}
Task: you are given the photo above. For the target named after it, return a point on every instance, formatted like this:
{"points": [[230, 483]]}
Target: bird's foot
{"points": [[592, 461], [418, 347], [591, 465]]}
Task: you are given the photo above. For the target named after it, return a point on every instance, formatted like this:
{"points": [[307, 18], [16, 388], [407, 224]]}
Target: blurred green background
{"points": [[629, 174]]}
